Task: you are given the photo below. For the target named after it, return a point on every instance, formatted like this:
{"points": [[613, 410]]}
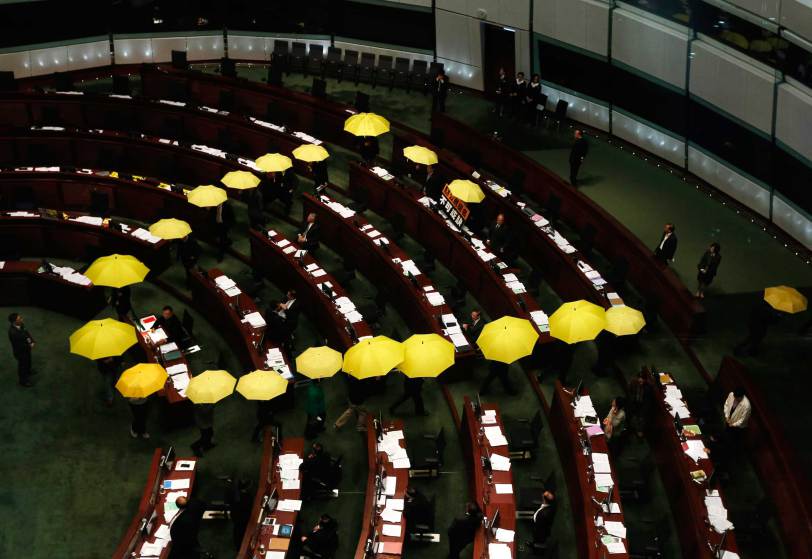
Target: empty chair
{"points": [[99, 203], [121, 85], [386, 70], [540, 108], [553, 209], [349, 67], [548, 550], [648, 541], [50, 116], [422, 526], [420, 73], [560, 114], [403, 73], [635, 487], [188, 322], [315, 60], [523, 435], [533, 281], [587, 240], [528, 498], [427, 454], [280, 55], [332, 65], [366, 69], [298, 57], [398, 223]]}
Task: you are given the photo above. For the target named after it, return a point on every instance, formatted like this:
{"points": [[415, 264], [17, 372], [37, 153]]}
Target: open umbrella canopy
{"points": [[117, 270], [170, 228], [785, 299], [240, 180], [262, 385], [577, 321], [373, 357], [366, 124], [426, 355], [310, 153], [624, 321], [274, 163], [207, 196], [319, 362], [467, 191], [102, 338], [420, 155], [209, 387], [139, 381], [507, 339]]}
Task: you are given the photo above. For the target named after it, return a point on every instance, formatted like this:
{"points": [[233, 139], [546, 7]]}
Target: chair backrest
{"points": [[367, 60], [384, 62], [227, 100], [188, 322], [299, 48], [316, 51], [589, 233], [542, 104], [536, 425], [435, 68], [333, 54], [351, 57], [561, 108], [420, 67], [362, 101], [280, 47], [402, 64]]}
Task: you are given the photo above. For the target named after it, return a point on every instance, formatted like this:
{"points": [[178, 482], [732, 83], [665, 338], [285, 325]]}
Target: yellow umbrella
{"points": [[373, 357], [366, 124], [467, 191], [262, 385], [319, 362], [426, 355], [170, 229], [274, 163], [209, 387], [117, 270], [207, 196], [139, 381], [310, 153], [102, 338], [624, 321], [785, 299], [577, 321], [240, 180], [420, 155], [507, 339]]}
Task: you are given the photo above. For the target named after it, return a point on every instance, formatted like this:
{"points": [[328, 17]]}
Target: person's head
{"points": [[316, 448], [429, 169], [311, 217], [619, 403], [501, 71], [520, 76], [167, 312], [411, 492], [641, 377], [669, 228], [472, 509], [500, 219], [738, 393], [536, 78], [181, 502], [475, 314], [15, 319], [291, 294], [578, 134], [714, 248], [325, 520], [548, 495]]}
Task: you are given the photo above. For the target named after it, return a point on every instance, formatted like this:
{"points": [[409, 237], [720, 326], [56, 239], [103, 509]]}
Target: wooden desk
{"points": [[380, 467], [22, 285], [775, 459], [258, 533], [38, 234], [390, 198], [656, 282], [286, 269], [150, 514], [350, 237], [569, 436], [675, 470], [151, 353], [482, 483]]}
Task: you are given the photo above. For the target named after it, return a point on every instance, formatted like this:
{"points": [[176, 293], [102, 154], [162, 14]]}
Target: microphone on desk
{"points": [[522, 304]]}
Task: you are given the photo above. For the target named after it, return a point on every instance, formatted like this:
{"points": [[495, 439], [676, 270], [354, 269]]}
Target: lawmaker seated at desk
{"points": [[321, 542], [433, 183], [283, 316], [317, 471], [171, 325], [474, 328], [310, 234]]}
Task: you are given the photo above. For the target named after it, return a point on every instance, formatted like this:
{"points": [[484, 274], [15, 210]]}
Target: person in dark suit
{"points": [[171, 325], [322, 538], [204, 419], [668, 244], [289, 309], [439, 92], [416, 508], [21, 345], [265, 418], [223, 222], [369, 150], [499, 237], [318, 170], [433, 184], [543, 517], [501, 371], [109, 368], [462, 530], [412, 389], [255, 201], [316, 467], [707, 268], [139, 407], [185, 528], [474, 328], [532, 97], [310, 234], [518, 94], [502, 92], [188, 254], [577, 155], [120, 301], [289, 186]]}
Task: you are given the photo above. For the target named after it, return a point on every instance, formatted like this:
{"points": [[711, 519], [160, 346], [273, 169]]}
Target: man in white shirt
{"points": [[543, 518], [309, 237], [737, 409], [667, 248]]}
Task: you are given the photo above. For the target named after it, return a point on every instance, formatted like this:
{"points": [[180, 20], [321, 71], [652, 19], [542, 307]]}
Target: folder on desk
{"points": [[389, 548], [280, 544]]}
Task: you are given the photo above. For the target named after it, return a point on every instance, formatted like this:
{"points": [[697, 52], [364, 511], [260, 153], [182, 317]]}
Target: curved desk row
{"points": [[660, 285], [148, 533], [485, 280], [688, 475], [381, 261], [269, 526], [22, 284], [321, 294], [591, 482]]}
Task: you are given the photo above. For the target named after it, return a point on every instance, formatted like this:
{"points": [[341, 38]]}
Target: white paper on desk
{"points": [[391, 530], [616, 547], [510, 277], [182, 483], [254, 319], [185, 465], [495, 436], [224, 282], [394, 504], [374, 233], [274, 555], [354, 317], [310, 267], [158, 336], [150, 550], [390, 515], [290, 484], [435, 298], [505, 536], [696, 449], [318, 273], [233, 291], [390, 486], [499, 551], [615, 528], [504, 488], [289, 249], [163, 532], [603, 480], [401, 464], [289, 505], [600, 458], [500, 463], [602, 467]]}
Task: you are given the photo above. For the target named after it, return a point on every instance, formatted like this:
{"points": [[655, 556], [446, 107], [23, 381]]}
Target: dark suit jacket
{"points": [[475, 329], [519, 90], [185, 528], [463, 530], [579, 149], [313, 236], [543, 522], [20, 341], [440, 88], [433, 185], [499, 237], [172, 327], [669, 248]]}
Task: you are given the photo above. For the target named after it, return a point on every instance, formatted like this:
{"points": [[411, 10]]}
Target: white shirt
{"points": [[306, 231], [665, 238], [739, 416], [544, 505]]}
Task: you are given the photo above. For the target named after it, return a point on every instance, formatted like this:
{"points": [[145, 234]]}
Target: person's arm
{"points": [[727, 406]]}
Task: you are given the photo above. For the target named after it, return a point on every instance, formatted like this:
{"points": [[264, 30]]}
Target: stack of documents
{"points": [[145, 235], [499, 551], [307, 138], [267, 124], [382, 173], [289, 470], [254, 320], [69, 274], [603, 482], [500, 463], [210, 151], [488, 417], [289, 505], [495, 436], [177, 369], [340, 209], [584, 407], [276, 361], [435, 298], [600, 463], [717, 513], [614, 545], [615, 528], [541, 319], [695, 449], [22, 214], [88, 219], [181, 382], [157, 336]]}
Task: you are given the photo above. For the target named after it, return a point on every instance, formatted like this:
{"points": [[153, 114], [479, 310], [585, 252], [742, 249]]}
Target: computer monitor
{"points": [[494, 523], [578, 388], [273, 500]]}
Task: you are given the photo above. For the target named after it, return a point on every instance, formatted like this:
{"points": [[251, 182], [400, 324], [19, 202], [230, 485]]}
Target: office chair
{"points": [[548, 550], [188, 322], [429, 261], [533, 281], [315, 60], [560, 115], [427, 452], [420, 72], [618, 270], [398, 223], [333, 66], [402, 73], [350, 67], [275, 70], [297, 60], [386, 70], [319, 88], [650, 543], [121, 85], [327, 487], [226, 100], [523, 436], [99, 203], [422, 528], [553, 210], [366, 69], [280, 55], [635, 487]]}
